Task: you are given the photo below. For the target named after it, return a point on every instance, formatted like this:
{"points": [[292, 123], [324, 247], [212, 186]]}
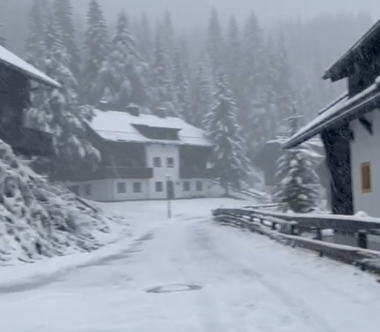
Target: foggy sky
{"points": [[190, 13]]}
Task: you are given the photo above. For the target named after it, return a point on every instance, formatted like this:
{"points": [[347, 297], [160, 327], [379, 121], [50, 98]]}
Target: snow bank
{"points": [[39, 220], [24, 276]]}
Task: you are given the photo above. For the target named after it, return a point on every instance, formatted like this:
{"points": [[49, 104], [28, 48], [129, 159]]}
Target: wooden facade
{"points": [[15, 88]]}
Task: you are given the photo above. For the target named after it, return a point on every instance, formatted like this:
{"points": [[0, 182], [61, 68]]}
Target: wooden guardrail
{"points": [[286, 230]]}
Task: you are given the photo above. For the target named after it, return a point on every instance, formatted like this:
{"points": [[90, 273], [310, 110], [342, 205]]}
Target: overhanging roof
{"points": [[339, 69], [11, 60], [346, 109]]}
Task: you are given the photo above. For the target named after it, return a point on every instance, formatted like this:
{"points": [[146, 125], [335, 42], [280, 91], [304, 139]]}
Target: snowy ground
{"points": [[249, 283]]}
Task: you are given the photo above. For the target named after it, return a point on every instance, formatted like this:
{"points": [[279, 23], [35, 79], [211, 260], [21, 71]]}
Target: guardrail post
{"points": [[318, 234], [292, 229], [362, 240]]}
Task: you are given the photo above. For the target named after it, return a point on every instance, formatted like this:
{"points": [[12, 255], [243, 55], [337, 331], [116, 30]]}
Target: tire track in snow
{"points": [[299, 307], [207, 308]]}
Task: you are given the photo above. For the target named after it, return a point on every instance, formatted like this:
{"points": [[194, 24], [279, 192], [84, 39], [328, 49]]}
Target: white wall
{"points": [[159, 173], [101, 190], [106, 190], [366, 147]]}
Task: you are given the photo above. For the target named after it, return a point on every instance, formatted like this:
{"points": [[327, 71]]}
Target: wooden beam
{"points": [[366, 124], [351, 136]]}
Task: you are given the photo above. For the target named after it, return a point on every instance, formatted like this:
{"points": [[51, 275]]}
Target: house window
{"points": [[186, 186], [366, 177], [137, 187], [199, 186], [157, 162], [121, 188], [159, 187], [170, 162], [87, 189]]}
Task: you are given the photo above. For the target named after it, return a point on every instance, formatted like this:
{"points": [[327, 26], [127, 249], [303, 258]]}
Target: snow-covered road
{"points": [[249, 283]]}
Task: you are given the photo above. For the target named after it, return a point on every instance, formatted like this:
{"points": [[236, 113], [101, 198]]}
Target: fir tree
{"points": [[233, 56], [163, 94], [230, 162], [284, 84], [63, 116], [123, 71], [253, 110], [35, 48], [201, 95], [96, 50], [181, 83], [298, 184], [3, 38], [63, 10], [145, 39], [168, 36], [215, 44], [35, 43]]}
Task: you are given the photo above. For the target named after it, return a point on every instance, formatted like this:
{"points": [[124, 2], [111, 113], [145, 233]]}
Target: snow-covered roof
{"points": [[119, 126], [13, 61], [339, 68], [344, 109]]}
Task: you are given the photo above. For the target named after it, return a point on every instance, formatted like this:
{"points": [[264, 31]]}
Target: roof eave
{"points": [[47, 82]]}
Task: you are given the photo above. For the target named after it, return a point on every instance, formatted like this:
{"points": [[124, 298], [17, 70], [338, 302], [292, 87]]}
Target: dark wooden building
{"points": [[350, 129], [17, 78]]}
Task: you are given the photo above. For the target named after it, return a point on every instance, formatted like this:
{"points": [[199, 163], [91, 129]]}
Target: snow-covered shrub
{"points": [[298, 187], [39, 219]]}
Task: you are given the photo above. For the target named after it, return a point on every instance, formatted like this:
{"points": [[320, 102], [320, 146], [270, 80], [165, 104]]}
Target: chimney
{"points": [[133, 109], [103, 105], [160, 112]]}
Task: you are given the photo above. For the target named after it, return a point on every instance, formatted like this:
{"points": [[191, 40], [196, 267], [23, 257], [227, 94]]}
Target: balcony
{"points": [[28, 141], [128, 172]]}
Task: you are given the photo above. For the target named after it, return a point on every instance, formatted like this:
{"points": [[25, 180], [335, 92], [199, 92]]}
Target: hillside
{"points": [[40, 220]]}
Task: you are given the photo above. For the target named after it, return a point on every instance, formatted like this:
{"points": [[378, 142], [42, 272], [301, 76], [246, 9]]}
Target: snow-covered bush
{"points": [[38, 219], [298, 188]]}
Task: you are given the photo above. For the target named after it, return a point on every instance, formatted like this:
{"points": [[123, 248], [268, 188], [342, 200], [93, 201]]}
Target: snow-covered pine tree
{"points": [[215, 44], [64, 16], [284, 84], [63, 115], [144, 39], [35, 43], [253, 114], [96, 50], [35, 48], [202, 93], [168, 36], [181, 83], [3, 38], [233, 60], [298, 187], [123, 73], [230, 162], [161, 80]]}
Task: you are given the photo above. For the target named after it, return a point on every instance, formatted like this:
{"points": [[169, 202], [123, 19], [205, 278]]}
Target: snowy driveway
{"points": [[249, 283]]}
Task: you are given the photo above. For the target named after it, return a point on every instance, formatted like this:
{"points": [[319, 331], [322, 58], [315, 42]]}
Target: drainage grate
{"points": [[173, 288]]}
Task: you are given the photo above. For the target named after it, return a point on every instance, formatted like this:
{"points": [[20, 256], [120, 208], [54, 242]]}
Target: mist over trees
{"points": [[131, 59]]}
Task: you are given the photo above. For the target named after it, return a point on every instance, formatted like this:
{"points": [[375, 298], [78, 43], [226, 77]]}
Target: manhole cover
{"points": [[173, 288]]}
